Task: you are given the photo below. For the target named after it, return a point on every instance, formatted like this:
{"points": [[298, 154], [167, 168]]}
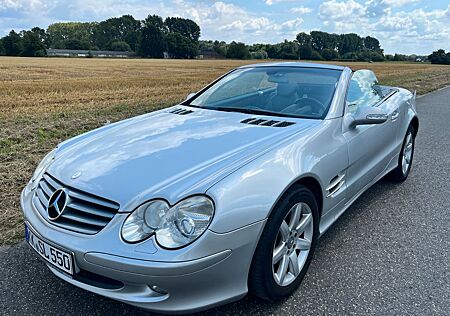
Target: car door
{"points": [[397, 113], [369, 146]]}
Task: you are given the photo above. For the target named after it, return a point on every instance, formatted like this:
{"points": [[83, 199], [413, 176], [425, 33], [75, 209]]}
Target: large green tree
{"points": [[120, 46], [152, 41], [320, 44], [349, 43], [12, 44], [180, 46], [42, 35], [440, 57], [33, 43], [123, 29], [59, 34], [183, 37], [330, 54], [371, 43], [273, 51], [185, 27], [305, 51], [303, 39], [238, 51], [288, 50], [322, 40], [220, 48]]}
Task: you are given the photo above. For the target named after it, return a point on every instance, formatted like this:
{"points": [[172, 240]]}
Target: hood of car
{"points": [[165, 155]]}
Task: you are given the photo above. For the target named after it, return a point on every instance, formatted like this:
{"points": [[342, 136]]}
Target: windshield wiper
{"points": [[253, 111]]}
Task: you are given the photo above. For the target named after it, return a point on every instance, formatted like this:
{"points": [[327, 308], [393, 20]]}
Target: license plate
{"points": [[56, 257]]}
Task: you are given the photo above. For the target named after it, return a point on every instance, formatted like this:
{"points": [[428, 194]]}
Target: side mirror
{"points": [[190, 95], [367, 116]]}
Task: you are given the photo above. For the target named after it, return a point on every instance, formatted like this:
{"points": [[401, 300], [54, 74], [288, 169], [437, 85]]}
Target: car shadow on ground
{"points": [[49, 291], [251, 305]]}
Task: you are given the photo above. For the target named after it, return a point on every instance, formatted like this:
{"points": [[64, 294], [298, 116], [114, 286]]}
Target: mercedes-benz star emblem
{"points": [[57, 204]]}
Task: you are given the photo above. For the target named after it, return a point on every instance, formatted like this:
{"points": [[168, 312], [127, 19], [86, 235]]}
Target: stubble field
{"points": [[44, 101]]}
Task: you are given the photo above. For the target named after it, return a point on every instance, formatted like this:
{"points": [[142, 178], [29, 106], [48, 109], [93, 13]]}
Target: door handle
{"points": [[395, 115]]}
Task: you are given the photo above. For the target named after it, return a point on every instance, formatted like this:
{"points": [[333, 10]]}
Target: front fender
{"points": [[249, 194]]}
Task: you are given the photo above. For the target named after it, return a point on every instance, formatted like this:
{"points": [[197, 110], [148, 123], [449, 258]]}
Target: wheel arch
{"points": [[415, 124], [310, 182], [313, 184]]}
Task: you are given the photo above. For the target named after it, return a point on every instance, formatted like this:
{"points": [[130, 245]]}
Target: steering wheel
{"points": [[316, 107]]}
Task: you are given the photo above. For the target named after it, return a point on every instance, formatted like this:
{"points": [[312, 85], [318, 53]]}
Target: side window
{"points": [[363, 90]]}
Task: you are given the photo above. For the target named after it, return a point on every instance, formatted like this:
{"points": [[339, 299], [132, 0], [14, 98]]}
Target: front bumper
{"points": [[211, 271]]}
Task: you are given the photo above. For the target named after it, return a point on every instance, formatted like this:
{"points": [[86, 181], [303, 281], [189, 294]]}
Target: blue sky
{"points": [[402, 26]]}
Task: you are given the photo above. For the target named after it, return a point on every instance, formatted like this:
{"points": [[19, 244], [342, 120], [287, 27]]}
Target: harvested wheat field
{"points": [[46, 100]]}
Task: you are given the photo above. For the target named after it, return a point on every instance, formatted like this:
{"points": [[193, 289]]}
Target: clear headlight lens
{"points": [[185, 222], [144, 221], [42, 166], [174, 227]]}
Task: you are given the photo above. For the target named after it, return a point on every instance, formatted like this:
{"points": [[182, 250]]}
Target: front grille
{"points": [[85, 213]]}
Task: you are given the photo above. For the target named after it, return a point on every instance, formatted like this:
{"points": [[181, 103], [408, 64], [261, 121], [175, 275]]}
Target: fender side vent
{"points": [[335, 184], [181, 111], [262, 122]]}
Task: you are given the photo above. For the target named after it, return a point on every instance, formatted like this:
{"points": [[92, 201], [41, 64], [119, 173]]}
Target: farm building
{"points": [[86, 53], [208, 53]]}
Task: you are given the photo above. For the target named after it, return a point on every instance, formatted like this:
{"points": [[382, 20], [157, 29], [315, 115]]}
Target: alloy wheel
{"points": [[407, 153], [292, 244]]}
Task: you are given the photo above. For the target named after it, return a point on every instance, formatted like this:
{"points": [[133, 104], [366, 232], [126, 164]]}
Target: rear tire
{"points": [[288, 238], [405, 159]]}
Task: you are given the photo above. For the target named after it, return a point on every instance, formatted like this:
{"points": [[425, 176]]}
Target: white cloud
{"points": [[399, 3], [399, 28], [292, 25], [418, 28], [272, 2], [262, 26], [301, 10], [20, 4], [218, 19], [341, 10], [9, 4], [250, 25], [395, 23]]}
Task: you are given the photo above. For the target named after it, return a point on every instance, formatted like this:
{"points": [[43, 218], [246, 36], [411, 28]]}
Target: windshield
{"points": [[278, 91]]}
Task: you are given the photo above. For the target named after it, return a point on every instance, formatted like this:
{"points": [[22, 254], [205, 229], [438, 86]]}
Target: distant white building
{"points": [[85, 53]]}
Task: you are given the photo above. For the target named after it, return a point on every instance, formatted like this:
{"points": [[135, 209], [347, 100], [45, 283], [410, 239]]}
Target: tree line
{"points": [[317, 45], [179, 37], [150, 37], [440, 57]]}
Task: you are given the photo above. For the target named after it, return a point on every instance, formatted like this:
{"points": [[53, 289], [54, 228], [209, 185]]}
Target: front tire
{"points": [[286, 246], [401, 172]]}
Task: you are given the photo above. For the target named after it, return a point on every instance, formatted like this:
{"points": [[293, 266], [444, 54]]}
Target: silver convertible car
{"points": [[223, 194]]}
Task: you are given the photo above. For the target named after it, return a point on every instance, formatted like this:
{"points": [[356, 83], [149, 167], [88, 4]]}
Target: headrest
{"points": [[278, 78], [286, 89]]}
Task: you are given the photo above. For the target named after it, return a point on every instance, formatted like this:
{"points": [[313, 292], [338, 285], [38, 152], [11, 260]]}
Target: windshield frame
{"points": [[187, 102]]}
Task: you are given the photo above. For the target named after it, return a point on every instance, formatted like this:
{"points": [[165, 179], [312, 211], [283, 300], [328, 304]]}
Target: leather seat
{"points": [[285, 95]]}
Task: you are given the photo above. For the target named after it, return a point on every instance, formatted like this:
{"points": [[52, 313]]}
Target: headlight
{"points": [[144, 221], [175, 226], [42, 167]]}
